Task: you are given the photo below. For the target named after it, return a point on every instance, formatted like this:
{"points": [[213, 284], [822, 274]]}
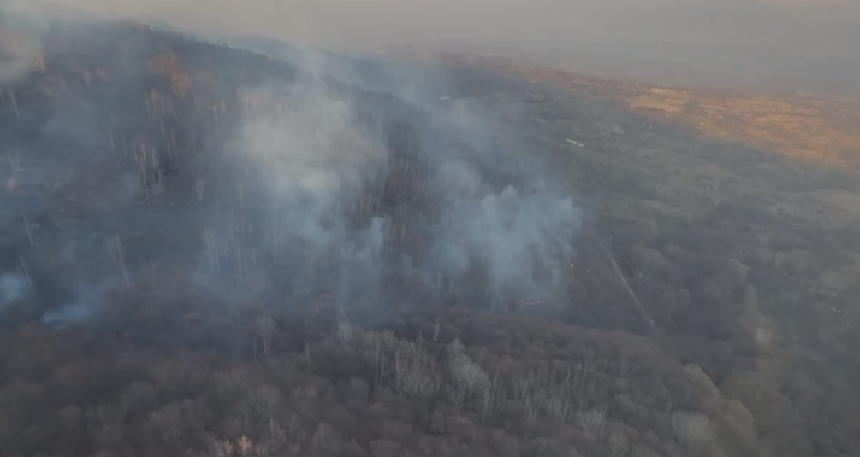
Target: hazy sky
{"points": [[790, 38]]}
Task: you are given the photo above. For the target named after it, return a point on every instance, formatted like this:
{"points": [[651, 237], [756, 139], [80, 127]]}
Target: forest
{"points": [[208, 252]]}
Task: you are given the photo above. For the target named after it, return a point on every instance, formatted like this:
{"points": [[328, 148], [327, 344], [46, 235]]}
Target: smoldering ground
{"points": [[261, 183]]}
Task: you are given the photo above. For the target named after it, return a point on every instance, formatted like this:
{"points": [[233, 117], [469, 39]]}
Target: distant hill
{"points": [[804, 124]]}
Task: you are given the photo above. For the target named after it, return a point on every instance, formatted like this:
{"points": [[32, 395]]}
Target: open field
{"points": [[813, 126]]}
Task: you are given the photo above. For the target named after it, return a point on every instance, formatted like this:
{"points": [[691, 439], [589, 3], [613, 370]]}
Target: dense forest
{"points": [[205, 251]]}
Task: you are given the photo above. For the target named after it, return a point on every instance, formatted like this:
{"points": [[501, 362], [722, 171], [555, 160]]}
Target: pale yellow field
{"points": [[814, 126]]}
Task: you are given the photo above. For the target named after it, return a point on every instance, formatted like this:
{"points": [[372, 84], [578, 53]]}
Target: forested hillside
{"points": [[205, 251]]}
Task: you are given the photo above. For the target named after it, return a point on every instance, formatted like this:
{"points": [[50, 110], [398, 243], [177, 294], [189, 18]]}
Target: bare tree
{"points": [[264, 327], [591, 421]]}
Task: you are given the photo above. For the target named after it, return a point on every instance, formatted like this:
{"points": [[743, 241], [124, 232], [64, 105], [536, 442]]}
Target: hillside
{"points": [[205, 251]]}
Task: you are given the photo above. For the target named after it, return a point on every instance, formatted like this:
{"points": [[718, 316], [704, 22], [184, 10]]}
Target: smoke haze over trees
{"points": [[346, 186], [209, 252]]}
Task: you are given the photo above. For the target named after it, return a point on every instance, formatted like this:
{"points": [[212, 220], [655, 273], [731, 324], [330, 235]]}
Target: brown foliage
{"points": [[165, 64]]}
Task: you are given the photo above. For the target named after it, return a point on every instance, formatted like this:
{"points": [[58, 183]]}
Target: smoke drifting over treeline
{"points": [[134, 157]]}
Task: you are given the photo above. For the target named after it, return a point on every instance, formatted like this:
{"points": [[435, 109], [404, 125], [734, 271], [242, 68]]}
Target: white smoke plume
{"points": [[352, 180]]}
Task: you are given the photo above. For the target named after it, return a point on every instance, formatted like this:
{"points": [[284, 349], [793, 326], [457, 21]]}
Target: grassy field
{"points": [[799, 124]]}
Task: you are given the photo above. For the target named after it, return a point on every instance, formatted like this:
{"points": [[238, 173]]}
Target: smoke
{"points": [[351, 196], [522, 238], [371, 183], [18, 48], [12, 289], [311, 160], [83, 306]]}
